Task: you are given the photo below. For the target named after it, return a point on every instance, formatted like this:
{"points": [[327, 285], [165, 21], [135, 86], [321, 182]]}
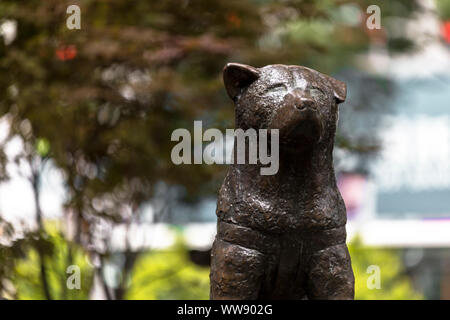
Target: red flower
{"points": [[445, 29], [234, 20], [64, 53]]}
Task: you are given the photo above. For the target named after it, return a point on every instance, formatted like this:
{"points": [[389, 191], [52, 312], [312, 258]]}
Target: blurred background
{"points": [[86, 178]]}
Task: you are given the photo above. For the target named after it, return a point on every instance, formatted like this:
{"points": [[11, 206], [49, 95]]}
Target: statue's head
{"points": [[302, 103]]}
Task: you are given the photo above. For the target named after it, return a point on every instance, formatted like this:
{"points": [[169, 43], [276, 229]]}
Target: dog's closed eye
{"points": [[317, 92], [276, 87]]}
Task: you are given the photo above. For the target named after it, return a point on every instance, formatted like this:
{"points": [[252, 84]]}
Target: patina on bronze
{"points": [[283, 236]]}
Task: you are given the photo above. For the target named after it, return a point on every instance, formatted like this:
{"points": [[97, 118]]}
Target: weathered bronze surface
{"points": [[283, 236]]}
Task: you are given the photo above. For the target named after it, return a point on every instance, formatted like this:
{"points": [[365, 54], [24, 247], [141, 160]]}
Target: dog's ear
{"points": [[339, 89], [237, 76]]}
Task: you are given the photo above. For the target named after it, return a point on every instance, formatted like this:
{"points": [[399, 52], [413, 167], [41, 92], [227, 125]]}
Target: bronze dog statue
{"points": [[282, 236]]}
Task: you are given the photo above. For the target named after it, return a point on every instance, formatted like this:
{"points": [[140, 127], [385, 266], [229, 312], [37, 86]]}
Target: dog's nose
{"points": [[301, 100], [304, 103]]}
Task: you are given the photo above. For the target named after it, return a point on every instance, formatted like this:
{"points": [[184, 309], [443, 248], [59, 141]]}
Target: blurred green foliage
{"points": [[168, 274], [443, 7], [395, 284], [59, 255]]}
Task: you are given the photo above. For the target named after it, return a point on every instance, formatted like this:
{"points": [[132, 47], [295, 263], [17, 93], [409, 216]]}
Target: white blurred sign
{"points": [[415, 154]]}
